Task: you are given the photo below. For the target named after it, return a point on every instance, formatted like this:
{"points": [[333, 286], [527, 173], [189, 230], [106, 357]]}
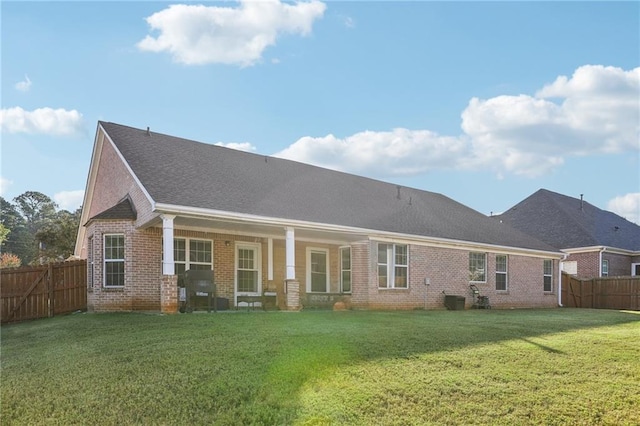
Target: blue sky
{"points": [[485, 102]]}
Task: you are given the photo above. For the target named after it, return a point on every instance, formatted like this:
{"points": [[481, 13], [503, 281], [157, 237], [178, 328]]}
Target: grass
{"points": [[563, 366]]}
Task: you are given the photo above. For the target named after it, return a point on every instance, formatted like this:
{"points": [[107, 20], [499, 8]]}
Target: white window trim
{"points": [[547, 275], [252, 246], [328, 281], [105, 260], [391, 267], [505, 273], [633, 269], [471, 280], [187, 252], [343, 270], [605, 262]]}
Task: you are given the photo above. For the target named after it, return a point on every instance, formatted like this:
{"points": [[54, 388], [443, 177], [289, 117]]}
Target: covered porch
{"points": [[257, 265]]}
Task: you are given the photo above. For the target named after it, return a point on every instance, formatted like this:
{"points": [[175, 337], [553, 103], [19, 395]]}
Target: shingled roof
{"points": [[565, 222], [182, 172], [123, 210]]}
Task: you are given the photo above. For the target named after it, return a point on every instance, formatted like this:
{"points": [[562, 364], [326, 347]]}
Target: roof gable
{"points": [[180, 172], [565, 222]]}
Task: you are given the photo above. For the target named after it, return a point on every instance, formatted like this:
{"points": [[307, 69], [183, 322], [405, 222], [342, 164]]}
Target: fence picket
{"points": [[601, 293]]}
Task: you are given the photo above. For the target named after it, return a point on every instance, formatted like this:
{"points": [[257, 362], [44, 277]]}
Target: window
{"points": [[605, 268], [317, 272], [345, 269], [635, 269], [198, 256], [501, 272], [90, 262], [477, 267], [114, 260], [393, 266], [548, 275], [247, 269]]}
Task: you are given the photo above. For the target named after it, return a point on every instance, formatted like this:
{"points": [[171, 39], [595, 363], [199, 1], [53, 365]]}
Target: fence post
{"points": [[50, 283]]}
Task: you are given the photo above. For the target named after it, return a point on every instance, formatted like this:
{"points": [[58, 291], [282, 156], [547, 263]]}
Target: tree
{"points": [[36, 209], [58, 236], [18, 241], [4, 232]]}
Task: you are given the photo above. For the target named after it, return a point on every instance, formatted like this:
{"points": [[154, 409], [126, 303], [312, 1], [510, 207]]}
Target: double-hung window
{"points": [[501, 272], [478, 267], [393, 266], [191, 254], [345, 269], [113, 260], [548, 275], [605, 268]]}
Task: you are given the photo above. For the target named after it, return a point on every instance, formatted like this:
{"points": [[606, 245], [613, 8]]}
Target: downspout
{"points": [[564, 257]]}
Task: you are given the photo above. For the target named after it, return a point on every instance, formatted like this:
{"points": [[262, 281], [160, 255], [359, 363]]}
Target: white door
{"points": [[248, 270]]}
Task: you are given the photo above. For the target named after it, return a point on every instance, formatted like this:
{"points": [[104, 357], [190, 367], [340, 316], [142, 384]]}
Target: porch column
{"points": [[291, 253], [292, 286], [168, 267]]}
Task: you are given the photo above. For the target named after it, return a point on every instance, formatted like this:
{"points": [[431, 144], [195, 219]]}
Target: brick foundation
{"points": [[293, 295]]}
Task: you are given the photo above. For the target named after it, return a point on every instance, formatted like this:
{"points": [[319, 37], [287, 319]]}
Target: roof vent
{"points": [[148, 132], [398, 196], [582, 202]]}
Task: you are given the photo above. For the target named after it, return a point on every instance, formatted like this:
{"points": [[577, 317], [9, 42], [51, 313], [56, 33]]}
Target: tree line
{"points": [[33, 231]]}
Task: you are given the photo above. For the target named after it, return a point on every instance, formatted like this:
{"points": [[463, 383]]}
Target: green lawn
{"points": [[561, 366]]}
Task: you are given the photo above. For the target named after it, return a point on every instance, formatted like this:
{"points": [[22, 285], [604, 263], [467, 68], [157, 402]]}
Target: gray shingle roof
{"points": [[123, 210], [565, 222], [186, 173]]}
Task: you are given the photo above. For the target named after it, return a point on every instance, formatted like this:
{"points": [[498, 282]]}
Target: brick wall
{"points": [[619, 264], [445, 269], [141, 290], [588, 264], [447, 273]]}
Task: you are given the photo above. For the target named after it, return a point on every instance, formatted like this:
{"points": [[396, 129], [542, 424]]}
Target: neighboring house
{"points": [[157, 205], [598, 243]]}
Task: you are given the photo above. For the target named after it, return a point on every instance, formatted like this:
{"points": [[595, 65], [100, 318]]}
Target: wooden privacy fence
{"points": [[43, 291], [601, 293]]}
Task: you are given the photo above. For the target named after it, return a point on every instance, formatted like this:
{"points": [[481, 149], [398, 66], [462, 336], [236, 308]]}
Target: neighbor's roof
{"points": [[182, 172], [565, 222]]}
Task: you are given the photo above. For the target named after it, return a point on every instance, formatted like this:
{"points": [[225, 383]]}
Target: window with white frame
{"points": [[393, 266], [345, 269], [635, 269], [548, 275], [478, 267], [605, 268], [317, 270], [191, 253], [113, 250], [501, 272]]}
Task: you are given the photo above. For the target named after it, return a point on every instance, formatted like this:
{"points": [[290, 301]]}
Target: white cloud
{"points": [[69, 200], [198, 34], [25, 85], [526, 135], [399, 152], [240, 146], [58, 122], [627, 206], [4, 185], [531, 135]]}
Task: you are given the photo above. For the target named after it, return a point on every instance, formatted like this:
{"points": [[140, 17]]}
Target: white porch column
{"points": [[168, 267], [290, 253]]}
